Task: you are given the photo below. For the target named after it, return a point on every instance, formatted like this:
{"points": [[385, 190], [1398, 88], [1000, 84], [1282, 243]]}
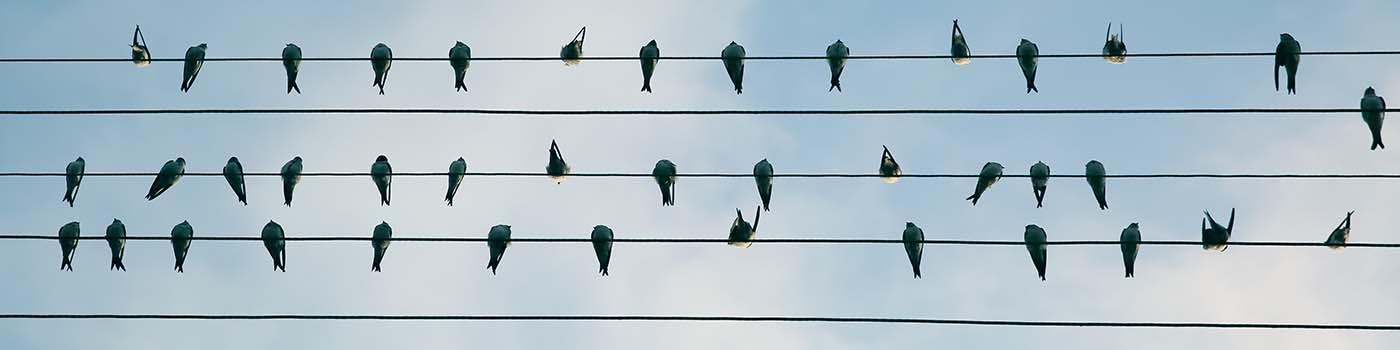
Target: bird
{"points": [[557, 169], [733, 57], [380, 241], [1040, 178], [1035, 244], [68, 240], [1216, 237], [602, 246], [1373, 113], [572, 51], [1287, 55], [497, 240], [914, 245], [665, 174], [460, 57], [1027, 54], [1095, 174], [836, 54], [383, 176], [650, 56], [291, 60], [962, 55], [180, 238], [140, 54], [1338, 238], [1129, 240], [194, 60], [276, 242], [889, 169], [73, 177], [233, 172], [455, 172], [1114, 50], [991, 172], [381, 58], [740, 232], [116, 239], [291, 175], [763, 176], [169, 174]]}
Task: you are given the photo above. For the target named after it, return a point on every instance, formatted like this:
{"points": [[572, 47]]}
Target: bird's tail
{"points": [[1375, 142], [449, 200], [378, 258], [1292, 81], [1128, 267], [68, 197], [603, 269], [835, 84], [66, 265], [243, 197], [646, 84], [1039, 198], [292, 85], [282, 263], [495, 261], [461, 84], [917, 274], [666, 197], [1276, 77], [117, 264], [1030, 86], [974, 197]]}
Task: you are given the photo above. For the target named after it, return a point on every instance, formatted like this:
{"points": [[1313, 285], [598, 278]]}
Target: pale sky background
{"points": [[1173, 284]]}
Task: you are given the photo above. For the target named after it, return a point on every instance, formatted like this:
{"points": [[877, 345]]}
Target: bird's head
{"points": [[1370, 91], [80, 160], [180, 160], [460, 44], [203, 45], [651, 43], [296, 159], [116, 221], [1133, 225], [1024, 41], [233, 159], [461, 160], [381, 158], [380, 45], [1285, 37], [909, 224]]}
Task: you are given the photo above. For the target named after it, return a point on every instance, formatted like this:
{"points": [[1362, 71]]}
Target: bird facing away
{"points": [[572, 51], [460, 57], [194, 60], [381, 58], [602, 246], [497, 240], [140, 54], [557, 169], [291, 60], [763, 176], [1373, 113], [455, 172], [116, 240], [1040, 179], [665, 174], [650, 55], [1338, 238], [1027, 54], [180, 238], [836, 54], [1097, 177], [276, 242], [962, 55], [380, 241], [68, 240], [291, 176], [1216, 237], [1129, 240], [169, 174], [1035, 244], [233, 173], [733, 57], [914, 246], [1287, 55], [73, 177], [1114, 50], [889, 169], [991, 172], [740, 232], [383, 176]]}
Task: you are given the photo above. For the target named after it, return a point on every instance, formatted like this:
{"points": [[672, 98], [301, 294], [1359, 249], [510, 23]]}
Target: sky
{"points": [[1173, 283]]}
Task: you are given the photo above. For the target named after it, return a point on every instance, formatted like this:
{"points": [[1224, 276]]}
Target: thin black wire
{"points": [[680, 318], [716, 240], [732, 175], [406, 112], [695, 58]]}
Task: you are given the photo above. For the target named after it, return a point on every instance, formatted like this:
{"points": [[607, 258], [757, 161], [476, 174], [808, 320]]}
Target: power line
{"points": [[701, 58], [403, 112], [680, 318], [827, 241], [732, 175]]}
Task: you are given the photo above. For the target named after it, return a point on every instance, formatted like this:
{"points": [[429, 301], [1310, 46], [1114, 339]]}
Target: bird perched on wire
{"points": [[460, 57], [383, 176], [1114, 50], [194, 60], [557, 169], [914, 246], [1035, 244], [991, 172], [602, 237], [140, 54], [1128, 241], [169, 174], [180, 238], [276, 242], [650, 55], [836, 54], [73, 178], [1040, 180], [733, 57], [572, 51], [1214, 236], [233, 173], [380, 242], [962, 55], [497, 240], [1287, 55], [741, 232], [68, 240], [1028, 55], [291, 61], [1097, 177], [665, 174], [1338, 238], [291, 176], [1373, 113], [763, 177], [455, 172], [381, 58], [889, 168], [116, 240]]}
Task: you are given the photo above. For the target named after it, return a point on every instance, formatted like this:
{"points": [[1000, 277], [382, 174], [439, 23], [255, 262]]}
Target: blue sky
{"points": [[1244, 284]]}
